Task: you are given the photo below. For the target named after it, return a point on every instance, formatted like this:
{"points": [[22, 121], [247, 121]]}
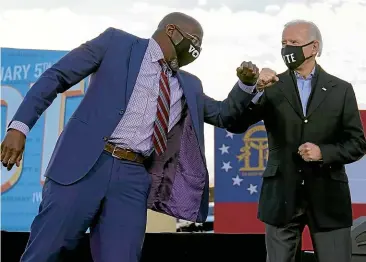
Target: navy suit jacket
{"points": [[113, 59]]}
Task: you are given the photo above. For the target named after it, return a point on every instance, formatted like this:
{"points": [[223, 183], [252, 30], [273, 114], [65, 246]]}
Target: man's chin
{"points": [[173, 65]]}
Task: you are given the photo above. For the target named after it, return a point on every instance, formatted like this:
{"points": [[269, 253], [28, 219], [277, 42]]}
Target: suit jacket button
{"points": [[105, 138], [122, 112], [305, 121]]}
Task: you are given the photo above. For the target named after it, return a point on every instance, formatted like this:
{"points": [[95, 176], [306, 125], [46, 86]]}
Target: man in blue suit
{"points": [[136, 141]]}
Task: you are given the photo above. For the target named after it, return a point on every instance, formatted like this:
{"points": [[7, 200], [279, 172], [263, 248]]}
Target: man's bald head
{"points": [[184, 22], [180, 38]]}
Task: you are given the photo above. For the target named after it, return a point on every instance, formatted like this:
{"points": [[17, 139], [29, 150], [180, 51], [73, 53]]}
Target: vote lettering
{"points": [[290, 58], [193, 51]]}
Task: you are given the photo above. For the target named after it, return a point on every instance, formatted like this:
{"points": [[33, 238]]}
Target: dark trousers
{"points": [[111, 199], [284, 243]]}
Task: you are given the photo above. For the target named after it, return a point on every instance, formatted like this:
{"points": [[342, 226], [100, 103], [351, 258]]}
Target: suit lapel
{"points": [[289, 88], [191, 102], [137, 54], [322, 88]]}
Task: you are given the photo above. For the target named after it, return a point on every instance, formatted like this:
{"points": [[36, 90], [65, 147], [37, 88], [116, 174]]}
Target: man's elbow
{"points": [[239, 125], [359, 151], [237, 128], [363, 147]]}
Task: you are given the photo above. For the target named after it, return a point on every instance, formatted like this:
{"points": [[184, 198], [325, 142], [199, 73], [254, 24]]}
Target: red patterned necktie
{"points": [[162, 115]]}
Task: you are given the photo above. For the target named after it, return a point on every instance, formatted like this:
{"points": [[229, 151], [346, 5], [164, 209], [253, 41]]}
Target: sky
{"points": [[235, 31]]}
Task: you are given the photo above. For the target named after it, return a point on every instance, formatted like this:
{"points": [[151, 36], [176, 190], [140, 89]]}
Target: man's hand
{"points": [[310, 152], [12, 148], [248, 73], [267, 77]]}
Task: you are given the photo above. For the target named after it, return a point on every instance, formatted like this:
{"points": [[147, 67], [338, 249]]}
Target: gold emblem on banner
{"points": [[254, 147]]}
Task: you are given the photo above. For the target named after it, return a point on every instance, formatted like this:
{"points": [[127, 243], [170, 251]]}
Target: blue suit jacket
{"points": [[113, 59]]}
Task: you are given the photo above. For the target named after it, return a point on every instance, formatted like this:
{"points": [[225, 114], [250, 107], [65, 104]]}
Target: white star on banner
{"points": [[228, 134], [237, 180], [224, 149], [226, 166], [252, 189]]}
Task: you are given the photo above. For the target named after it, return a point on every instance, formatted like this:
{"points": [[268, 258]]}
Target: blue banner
{"points": [[239, 163], [21, 187]]}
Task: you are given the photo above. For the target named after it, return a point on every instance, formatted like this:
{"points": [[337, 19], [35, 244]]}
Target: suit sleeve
{"points": [[353, 145], [68, 71], [252, 114], [223, 113]]}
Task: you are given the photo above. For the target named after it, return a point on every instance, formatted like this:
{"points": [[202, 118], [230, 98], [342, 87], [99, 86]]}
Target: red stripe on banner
{"points": [[241, 218], [359, 210], [237, 218], [363, 118]]}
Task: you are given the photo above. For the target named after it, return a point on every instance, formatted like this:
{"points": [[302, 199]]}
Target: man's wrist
{"points": [[249, 83], [19, 126], [251, 89]]}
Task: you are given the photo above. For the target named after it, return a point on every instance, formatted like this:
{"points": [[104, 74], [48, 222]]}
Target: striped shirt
{"points": [[136, 128]]}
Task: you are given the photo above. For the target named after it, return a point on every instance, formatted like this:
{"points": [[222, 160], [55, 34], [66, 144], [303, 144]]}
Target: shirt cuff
{"points": [[256, 97], [20, 127], [246, 88]]}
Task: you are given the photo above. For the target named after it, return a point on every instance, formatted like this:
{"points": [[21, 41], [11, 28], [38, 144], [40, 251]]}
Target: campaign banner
{"points": [[21, 188]]}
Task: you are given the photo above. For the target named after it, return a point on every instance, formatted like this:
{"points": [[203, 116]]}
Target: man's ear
{"points": [[169, 30], [315, 47]]}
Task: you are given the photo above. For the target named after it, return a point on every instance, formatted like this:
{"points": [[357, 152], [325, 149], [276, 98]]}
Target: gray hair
{"points": [[314, 32]]}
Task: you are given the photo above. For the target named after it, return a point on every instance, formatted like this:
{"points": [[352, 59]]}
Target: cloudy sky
{"points": [[235, 30]]}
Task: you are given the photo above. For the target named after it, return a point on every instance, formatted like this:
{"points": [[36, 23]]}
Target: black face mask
{"points": [[186, 52], [293, 56]]}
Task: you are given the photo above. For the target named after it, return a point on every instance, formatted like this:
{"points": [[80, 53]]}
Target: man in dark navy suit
{"points": [[136, 140]]}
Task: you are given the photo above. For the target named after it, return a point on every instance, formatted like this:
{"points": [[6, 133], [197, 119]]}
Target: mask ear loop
{"points": [[171, 36], [173, 64], [314, 49], [181, 34], [312, 42]]}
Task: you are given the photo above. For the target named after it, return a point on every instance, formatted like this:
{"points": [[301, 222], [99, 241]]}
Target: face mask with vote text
{"points": [[293, 56], [186, 52]]}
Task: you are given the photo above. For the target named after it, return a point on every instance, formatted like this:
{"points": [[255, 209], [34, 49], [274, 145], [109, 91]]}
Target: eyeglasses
{"points": [[195, 40]]}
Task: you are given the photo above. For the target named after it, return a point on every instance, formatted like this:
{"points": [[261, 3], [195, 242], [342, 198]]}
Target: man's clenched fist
{"points": [[12, 148], [267, 77], [310, 152], [248, 73]]}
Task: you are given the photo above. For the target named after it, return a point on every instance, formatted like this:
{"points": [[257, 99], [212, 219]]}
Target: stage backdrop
{"points": [[21, 187], [239, 163]]}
